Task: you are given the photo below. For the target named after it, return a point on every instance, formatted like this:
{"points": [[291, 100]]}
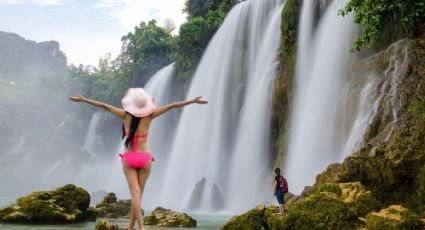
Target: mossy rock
{"points": [[260, 217], [104, 225], [394, 217], [111, 207], [167, 218], [322, 210], [65, 204]]}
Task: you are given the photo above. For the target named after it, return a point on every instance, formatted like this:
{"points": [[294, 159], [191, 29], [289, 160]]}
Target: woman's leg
{"points": [[133, 184], [143, 177]]}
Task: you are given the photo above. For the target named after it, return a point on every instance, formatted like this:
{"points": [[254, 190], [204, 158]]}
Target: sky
{"points": [[85, 29]]}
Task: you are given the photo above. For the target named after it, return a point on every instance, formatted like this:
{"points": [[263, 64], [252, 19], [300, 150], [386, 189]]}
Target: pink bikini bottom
{"points": [[136, 159]]}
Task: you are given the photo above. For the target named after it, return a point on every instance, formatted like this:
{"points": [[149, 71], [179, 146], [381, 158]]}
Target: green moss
{"points": [[62, 205], [282, 92], [167, 218], [320, 211], [261, 217], [330, 187], [392, 218], [103, 225]]}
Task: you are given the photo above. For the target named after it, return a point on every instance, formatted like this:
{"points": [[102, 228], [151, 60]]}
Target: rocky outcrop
{"points": [[282, 92], [381, 186], [392, 218], [111, 207], [391, 163], [65, 204], [167, 218]]}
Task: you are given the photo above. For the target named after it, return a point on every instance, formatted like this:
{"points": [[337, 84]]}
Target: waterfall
{"points": [[91, 140], [317, 133], [333, 107], [220, 150]]}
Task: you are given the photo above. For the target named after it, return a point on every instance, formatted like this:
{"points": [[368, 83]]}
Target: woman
{"points": [[280, 188], [137, 114]]}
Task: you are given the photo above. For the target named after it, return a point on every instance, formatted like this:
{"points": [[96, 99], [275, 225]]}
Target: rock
{"points": [[202, 187], [322, 210], [260, 217], [104, 225], [394, 217], [167, 218], [111, 207], [65, 204]]}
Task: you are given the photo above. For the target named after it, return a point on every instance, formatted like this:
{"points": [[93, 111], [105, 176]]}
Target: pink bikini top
{"points": [[136, 138]]}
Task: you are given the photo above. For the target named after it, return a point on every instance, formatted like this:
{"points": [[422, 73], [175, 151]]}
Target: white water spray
{"points": [[315, 132], [223, 145]]}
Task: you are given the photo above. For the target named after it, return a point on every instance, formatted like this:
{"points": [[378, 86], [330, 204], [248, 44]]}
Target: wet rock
{"points": [[65, 204], [167, 218], [104, 225], [394, 217], [260, 217], [111, 207], [202, 187]]}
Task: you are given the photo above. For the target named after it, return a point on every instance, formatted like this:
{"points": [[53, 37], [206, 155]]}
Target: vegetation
{"points": [[385, 21], [204, 18]]}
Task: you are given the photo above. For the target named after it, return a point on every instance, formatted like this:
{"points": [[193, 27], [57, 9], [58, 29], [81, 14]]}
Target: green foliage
{"points": [[204, 18], [383, 19], [144, 51]]}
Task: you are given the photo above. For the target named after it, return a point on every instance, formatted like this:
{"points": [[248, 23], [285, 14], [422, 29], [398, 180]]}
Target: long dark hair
{"points": [[133, 127], [277, 171]]}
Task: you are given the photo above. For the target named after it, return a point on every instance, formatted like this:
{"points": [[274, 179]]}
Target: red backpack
{"points": [[283, 184]]}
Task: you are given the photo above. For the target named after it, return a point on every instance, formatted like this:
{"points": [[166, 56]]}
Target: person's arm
{"points": [[274, 187], [166, 108], [114, 110]]}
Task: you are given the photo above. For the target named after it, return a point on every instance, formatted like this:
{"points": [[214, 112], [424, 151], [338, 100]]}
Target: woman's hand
{"points": [[198, 100], [78, 98]]}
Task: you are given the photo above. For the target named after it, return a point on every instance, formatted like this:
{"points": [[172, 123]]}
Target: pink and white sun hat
{"points": [[138, 102]]}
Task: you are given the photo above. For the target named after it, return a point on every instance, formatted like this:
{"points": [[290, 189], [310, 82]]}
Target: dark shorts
{"points": [[280, 196]]}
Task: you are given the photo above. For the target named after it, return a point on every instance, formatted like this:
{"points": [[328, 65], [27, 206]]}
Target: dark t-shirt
{"points": [[276, 178]]}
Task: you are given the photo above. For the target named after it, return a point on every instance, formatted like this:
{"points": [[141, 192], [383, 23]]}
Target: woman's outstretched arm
{"points": [[177, 104], [114, 110]]}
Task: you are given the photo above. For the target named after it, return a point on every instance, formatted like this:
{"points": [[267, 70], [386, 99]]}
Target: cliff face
{"points": [[282, 93], [392, 162]]}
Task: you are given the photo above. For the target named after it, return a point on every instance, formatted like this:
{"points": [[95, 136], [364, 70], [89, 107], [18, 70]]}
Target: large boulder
{"points": [[111, 207], [65, 204], [167, 218]]}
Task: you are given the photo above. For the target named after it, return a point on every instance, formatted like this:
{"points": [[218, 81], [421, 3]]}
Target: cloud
{"points": [[131, 12], [36, 2], [11, 2], [47, 2]]}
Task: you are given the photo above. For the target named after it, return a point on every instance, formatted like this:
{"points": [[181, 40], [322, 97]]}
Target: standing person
{"points": [[137, 114], [280, 188]]}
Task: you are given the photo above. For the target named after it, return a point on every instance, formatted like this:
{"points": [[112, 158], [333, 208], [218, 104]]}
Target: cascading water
{"points": [[316, 133], [220, 151], [90, 141], [333, 108]]}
